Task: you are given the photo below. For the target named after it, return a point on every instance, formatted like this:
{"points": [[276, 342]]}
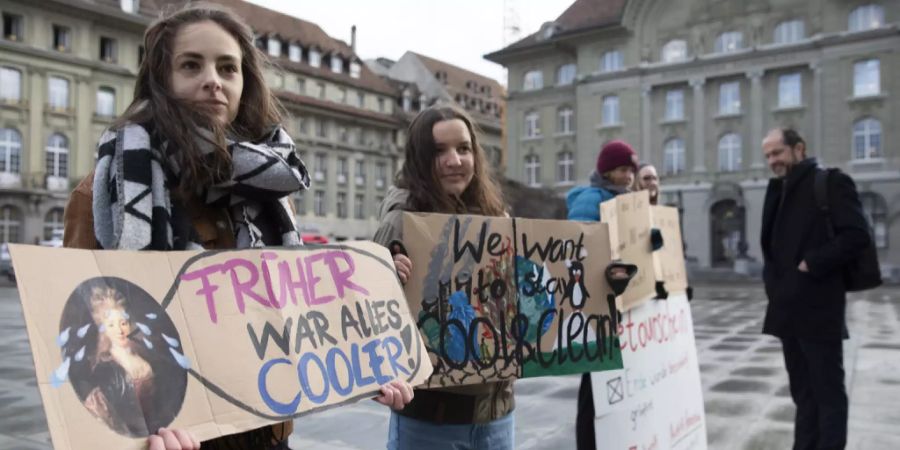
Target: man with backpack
{"points": [[814, 234]]}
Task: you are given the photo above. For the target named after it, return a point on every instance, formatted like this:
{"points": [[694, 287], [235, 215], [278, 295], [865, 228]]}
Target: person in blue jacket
{"points": [[614, 175]]}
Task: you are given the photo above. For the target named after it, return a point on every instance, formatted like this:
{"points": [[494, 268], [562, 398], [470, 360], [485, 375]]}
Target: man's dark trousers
{"points": [[816, 371]]}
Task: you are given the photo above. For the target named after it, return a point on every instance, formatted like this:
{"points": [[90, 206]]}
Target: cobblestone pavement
{"points": [[748, 405]]}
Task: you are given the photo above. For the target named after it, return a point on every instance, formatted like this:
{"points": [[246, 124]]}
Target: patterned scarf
{"points": [[133, 209]]}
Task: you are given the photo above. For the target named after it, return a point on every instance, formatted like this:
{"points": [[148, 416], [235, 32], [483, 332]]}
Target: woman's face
{"points": [[455, 159], [117, 328], [648, 179], [621, 176], [206, 68]]}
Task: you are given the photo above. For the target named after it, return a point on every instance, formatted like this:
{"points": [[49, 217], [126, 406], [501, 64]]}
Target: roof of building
{"points": [[579, 16], [458, 83], [288, 28]]}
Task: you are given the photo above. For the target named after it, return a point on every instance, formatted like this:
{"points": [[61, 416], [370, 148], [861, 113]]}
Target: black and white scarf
{"points": [[133, 209]]}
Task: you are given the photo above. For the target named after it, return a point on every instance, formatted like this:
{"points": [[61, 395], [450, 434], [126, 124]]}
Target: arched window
{"points": [[337, 63], [789, 31], [730, 153], [565, 120], [10, 224], [565, 167], [611, 110], [53, 223], [106, 102], [533, 170], [10, 150], [274, 46], [611, 61], [674, 51], [315, 57], [295, 52], [875, 210], [565, 75], [58, 156], [673, 156], [866, 17], [10, 84], [730, 41], [867, 139], [533, 80]]}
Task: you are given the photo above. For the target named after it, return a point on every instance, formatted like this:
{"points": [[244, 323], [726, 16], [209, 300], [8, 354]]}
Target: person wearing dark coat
{"points": [[802, 272]]}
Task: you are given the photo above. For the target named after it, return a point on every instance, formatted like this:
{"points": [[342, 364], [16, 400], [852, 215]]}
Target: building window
{"points": [[565, 75], [380, 175], [611, 62], [875, 210], [10, 150], [337, 64], [301, 125], [321, 166], [360, 171], [108, 50], [610, 111], [13, 27], [867, 78], [319, 203], [341, 205], [789, 90], [360, 99], [564, 125], [10, 223], [322, 128], [407, 102], [315, 58], [673, 156], [565, 168], [533, 80], [10, 85], [343, 94], [300, 203], [380, 104], [342, 170], [62, 38], [867, 139], [532, 124], [730, 153], [273, 47], [674, 51], [355, 69], [789, 32], [674, 105], [106, 102], [359, 206], [53, 223], [130, 6], [866, 17], [728, 42], [57, 156], [321, 89], [533, 170], [730, 98], [58, 93], [301, 86], [295, 53]]}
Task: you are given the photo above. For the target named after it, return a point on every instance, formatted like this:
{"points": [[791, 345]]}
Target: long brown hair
{"points": [[178, 121], [482, 196]]}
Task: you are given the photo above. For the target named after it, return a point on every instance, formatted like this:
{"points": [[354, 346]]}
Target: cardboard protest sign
{"points": [[628, 218], [668, 261], [656, 399], [214, 342], [501, 298]]}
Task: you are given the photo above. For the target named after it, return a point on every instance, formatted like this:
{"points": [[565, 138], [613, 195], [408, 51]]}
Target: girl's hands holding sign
{"points": [[395, 394]]}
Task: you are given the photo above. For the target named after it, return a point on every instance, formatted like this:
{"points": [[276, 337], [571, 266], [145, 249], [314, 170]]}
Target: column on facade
{"points": [[699, 137], [646, 123], [81, 145], [32, 157], [756, 115], [817, 106]]}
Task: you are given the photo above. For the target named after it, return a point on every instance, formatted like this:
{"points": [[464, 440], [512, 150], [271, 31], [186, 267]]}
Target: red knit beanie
{"points": [[615, 154]]}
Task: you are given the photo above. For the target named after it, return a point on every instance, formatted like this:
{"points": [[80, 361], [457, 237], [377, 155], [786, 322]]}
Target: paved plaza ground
{"points": [[745, 389]]}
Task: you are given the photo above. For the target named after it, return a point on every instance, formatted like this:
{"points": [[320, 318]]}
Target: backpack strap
{"points": [[820, 188]]}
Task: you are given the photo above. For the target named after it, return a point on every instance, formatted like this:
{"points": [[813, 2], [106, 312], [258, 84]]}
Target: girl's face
{"points": [[648, 179], [206, 68], [621, 176], [455, 159], [117, 327]]}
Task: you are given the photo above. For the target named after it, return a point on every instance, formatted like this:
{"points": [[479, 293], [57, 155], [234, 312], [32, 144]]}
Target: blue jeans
{"points": [[411, 434]]}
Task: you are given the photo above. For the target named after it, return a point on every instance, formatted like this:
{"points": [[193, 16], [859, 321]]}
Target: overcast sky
{"points": [[456, 31]]}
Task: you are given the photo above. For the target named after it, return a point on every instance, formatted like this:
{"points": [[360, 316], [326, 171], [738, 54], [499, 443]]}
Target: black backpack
{"points": [[863, 273]]}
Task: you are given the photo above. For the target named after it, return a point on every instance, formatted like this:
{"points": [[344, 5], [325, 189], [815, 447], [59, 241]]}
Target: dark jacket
{"points": [[811, 304]]}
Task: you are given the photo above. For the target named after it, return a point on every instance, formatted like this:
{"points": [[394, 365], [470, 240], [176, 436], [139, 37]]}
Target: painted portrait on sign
{"points": [[123, 356]]}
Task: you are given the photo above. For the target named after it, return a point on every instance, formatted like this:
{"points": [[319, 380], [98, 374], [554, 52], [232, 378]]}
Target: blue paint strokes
{"points": [[148, 343], [302, 372], [61, 374], [144, 328], [83, 330], [275, 405], [63, 337], [80, 355], [461, 310], [182, 361], [150, 316], [333, 372], [171, 341]]}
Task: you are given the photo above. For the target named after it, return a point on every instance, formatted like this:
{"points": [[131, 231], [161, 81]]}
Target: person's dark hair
{"points": [[791, 138], [178, 121], [482, 196]]}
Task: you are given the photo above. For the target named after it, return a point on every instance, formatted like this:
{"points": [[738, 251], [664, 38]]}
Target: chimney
{"points": [[353, 38]]}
